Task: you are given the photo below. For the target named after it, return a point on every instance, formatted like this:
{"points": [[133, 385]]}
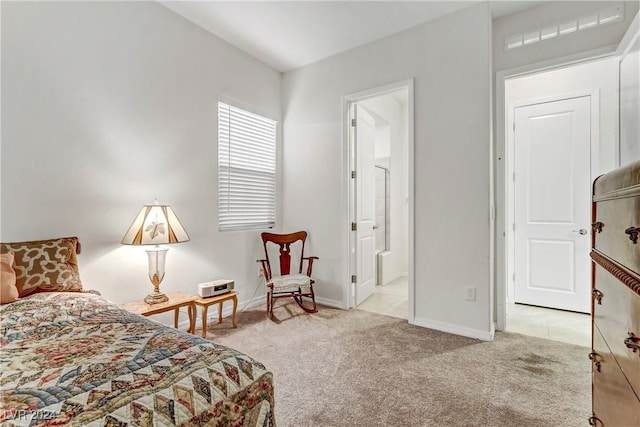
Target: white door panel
{"points": [[557, 256], [552, 143], [365, 204]]}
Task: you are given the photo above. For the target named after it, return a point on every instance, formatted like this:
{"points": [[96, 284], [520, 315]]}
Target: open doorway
{"points": [[380, 202], [560, 133]]}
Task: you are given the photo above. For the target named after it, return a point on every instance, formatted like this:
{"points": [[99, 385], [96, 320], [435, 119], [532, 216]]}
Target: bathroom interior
{"points": [[390, 112]]}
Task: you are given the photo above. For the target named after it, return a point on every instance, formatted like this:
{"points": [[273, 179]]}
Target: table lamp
{"points": [[156, 225]]}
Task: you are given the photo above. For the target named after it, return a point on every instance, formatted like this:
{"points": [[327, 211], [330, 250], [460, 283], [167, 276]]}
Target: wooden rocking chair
{"points": [[286, 285]]}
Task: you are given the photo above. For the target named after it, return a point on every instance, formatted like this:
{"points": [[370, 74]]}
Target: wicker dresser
{"points": [[616, 299]]}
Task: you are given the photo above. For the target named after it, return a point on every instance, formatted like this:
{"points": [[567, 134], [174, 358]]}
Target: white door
{"points": [[365, 204], [552, 143]]}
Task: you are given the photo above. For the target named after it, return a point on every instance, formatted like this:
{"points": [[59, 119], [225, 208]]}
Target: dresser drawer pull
{"points": [[632, 342], [596, 359], [633, 234], [595, 422], [597, 295], [597, 226]]}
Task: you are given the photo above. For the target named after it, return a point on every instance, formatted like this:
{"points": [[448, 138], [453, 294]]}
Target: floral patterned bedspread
{"points": [[77, 359]]}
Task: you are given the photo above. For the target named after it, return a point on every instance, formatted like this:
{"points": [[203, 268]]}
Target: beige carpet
{"points": [[354, 368]]}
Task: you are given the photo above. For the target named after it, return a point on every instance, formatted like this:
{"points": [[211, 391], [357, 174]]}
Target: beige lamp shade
{"points": [[155, 225]]}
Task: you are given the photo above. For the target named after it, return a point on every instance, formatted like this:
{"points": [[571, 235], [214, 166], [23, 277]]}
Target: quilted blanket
{"points": [[77, 359]]}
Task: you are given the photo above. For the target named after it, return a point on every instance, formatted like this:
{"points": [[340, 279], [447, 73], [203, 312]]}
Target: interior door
{"points": [[552, 143], [364, 152]]}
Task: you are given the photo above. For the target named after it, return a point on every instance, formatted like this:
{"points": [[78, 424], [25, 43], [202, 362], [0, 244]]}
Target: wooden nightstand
{"points": [[176, 300], [219, 299]]}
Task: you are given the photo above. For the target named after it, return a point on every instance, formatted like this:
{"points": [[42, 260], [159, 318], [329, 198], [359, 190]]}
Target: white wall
{"points": [[450, 62], [395, 115], [106, 105], [600, 76]]}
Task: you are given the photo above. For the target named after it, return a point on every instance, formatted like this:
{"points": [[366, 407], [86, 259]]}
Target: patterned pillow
{"points": [[45, 265], [8, 290]]}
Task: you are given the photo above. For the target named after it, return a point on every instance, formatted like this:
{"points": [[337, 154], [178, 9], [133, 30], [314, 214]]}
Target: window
{"points": [[246, 169], [602, 17]]}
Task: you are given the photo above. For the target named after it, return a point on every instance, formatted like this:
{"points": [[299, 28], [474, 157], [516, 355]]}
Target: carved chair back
{"points": [[285, 242]]}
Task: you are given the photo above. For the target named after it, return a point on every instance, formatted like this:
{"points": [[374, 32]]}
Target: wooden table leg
{"points": [[220, 311], [176, 313], [233, 313], [204, 320], [192, 318]]}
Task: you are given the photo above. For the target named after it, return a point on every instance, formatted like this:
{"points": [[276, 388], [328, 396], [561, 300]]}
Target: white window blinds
{"points": [[246, 169]]}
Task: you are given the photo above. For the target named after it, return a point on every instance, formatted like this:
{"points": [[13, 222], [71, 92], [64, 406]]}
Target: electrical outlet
{"points": [[470, 293]]}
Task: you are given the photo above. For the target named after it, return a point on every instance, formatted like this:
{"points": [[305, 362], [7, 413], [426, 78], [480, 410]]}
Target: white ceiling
{"points": [[289, 34]]}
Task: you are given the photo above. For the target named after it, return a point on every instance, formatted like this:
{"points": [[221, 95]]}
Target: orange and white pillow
{"points": [[8, 289]]}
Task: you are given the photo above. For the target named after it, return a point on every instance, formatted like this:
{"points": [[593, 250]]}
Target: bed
{"points": [[75, 358]]}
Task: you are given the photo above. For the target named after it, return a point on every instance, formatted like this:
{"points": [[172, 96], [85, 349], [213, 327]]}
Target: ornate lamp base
{"points": [[156, 298], [156, 274]]}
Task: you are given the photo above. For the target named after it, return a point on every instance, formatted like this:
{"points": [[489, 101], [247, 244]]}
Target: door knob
{"points": [[582, 231]]}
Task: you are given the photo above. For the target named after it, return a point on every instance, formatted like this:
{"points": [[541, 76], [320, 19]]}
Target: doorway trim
{"points": [[500, 164], [347, 165]]}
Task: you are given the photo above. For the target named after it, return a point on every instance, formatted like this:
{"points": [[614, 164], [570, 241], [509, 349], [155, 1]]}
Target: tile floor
{"points": [[390, 299], [557, 325]]}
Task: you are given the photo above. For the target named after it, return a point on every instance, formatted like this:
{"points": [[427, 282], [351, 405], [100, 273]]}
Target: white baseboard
{"points": [[227, 310], [212, 313], [329, 302], [399, 275], [261, 299], [455, 329]]}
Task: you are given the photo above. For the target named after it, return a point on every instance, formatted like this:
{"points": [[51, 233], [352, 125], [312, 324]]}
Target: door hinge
{"points": [[354, 226], [353, 278], [353, 122], [353, 174]]}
